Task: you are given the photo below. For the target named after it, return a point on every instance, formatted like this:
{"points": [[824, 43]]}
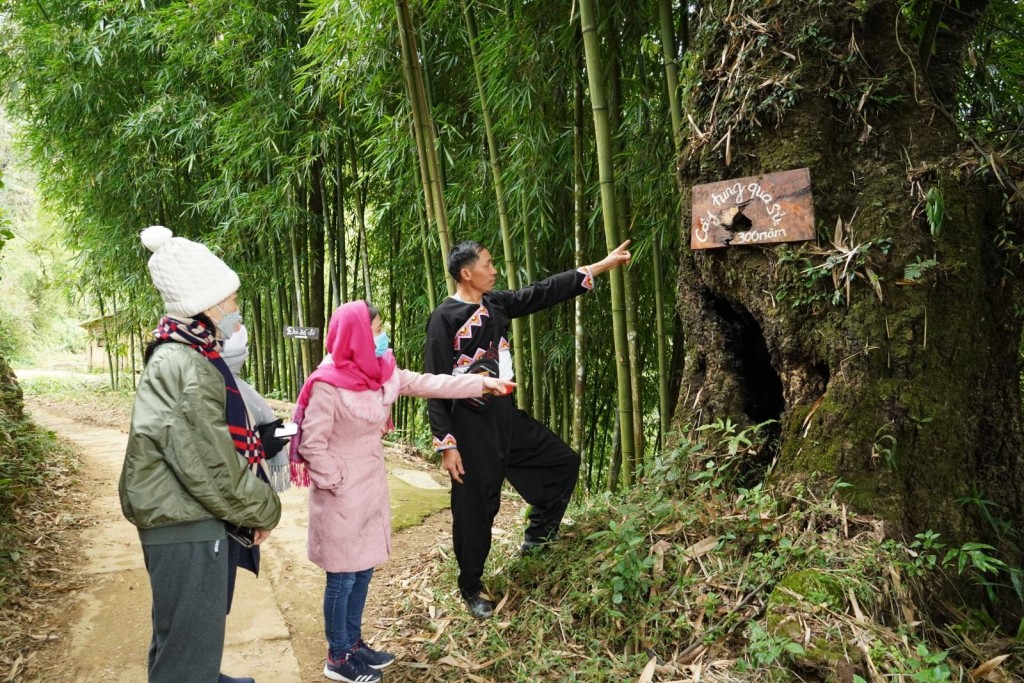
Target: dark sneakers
{"points": [[375, 659], [350, 670], [529, 548], [221, 678], [479, 606]]}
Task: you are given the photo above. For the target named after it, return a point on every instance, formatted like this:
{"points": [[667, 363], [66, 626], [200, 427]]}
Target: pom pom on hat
{"points": [[189, 277], [156, 236]]}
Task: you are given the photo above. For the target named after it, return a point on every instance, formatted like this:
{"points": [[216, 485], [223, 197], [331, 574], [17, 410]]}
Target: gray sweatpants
{"points": [[190, 584]]}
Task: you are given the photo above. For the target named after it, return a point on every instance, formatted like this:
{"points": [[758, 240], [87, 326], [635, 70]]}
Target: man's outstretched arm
{"points": [[563, 286], [619, 256]]}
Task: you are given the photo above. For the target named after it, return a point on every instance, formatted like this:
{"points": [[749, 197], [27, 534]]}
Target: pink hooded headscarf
{"points": [[353, 365]]}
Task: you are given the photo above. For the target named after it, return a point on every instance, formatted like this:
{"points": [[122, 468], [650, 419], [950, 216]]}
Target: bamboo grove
{"points": [[332, 151], [335, 149]]}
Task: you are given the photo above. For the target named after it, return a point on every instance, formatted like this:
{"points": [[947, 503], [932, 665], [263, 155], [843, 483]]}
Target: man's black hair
{"points": [[463, 255], [373, 310]]}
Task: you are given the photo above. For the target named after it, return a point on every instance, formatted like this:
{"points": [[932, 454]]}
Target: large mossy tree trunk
{"points": [[911, 392]]}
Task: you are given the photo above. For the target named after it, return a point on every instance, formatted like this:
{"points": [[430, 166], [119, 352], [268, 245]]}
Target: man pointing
{"points": [[485, 441]]}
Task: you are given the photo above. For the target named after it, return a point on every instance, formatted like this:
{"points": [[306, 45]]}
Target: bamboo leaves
{"points": [[322, 161]]}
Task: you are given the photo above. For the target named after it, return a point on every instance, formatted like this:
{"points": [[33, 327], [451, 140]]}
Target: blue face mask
{"points": [[383, 342]]}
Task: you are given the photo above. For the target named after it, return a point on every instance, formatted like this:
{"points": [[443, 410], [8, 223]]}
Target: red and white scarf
{"points": [[195, 334]]}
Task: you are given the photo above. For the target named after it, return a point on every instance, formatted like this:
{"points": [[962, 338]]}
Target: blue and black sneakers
{"points": [[375, 659], [350, 670]]}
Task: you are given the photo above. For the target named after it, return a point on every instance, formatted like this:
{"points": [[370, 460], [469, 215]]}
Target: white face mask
{"points": [[229, 324]]}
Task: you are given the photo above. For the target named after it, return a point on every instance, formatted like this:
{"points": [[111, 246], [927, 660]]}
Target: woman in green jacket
{"points": [[189, 468]]}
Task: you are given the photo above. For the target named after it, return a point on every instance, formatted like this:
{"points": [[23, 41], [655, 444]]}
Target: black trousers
{"points": [[502, 442]]}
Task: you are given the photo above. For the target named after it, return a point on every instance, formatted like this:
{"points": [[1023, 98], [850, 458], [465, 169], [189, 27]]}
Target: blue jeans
{"points": [[344, 599]]}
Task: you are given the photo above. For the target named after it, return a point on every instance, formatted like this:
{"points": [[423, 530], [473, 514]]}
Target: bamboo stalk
{"points": [[624, 210], [566, 386], [427, 270], [360, 195], [315, 260], [511, 275], [595, 78], [341, 257], [299, 294], [579, 228], [256, 342], [662, 350], [668, 54], [535, 402], [422, 118]]}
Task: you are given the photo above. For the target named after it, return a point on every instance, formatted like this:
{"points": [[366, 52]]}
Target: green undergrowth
{"points": [[88, 399], [36, 474], [32, 465], [689, 572], [30, 461]]}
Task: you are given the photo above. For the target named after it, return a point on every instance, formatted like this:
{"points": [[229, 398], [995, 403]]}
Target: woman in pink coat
{"points": [[342, 411]]}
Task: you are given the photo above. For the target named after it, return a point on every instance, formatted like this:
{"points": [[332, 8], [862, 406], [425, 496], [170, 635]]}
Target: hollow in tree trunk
{"points": [[909, 387]]}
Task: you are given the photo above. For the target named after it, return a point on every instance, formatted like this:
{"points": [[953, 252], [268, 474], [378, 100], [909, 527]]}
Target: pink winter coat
{"points": [[349, 505]]}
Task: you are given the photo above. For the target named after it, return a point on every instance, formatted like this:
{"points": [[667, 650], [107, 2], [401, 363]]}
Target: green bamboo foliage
{"points": [[305, 145], [591, 44]]}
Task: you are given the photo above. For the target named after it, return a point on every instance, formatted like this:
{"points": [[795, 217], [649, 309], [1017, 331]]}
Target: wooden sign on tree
{"points": [[775, 207]]}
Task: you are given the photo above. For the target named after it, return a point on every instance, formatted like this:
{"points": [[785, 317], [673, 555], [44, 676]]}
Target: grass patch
{"points": [[36, 518], [411, 505], [690, 574], [89, 400]]}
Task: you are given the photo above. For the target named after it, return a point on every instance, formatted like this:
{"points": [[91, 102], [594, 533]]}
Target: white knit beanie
{"points": [[188, 276]]}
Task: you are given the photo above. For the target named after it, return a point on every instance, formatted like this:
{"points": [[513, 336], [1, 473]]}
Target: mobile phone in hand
{"points": [[286, 430], [244, 537]]}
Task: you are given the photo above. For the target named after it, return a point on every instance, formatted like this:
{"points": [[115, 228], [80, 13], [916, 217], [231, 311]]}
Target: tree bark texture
{"points": [[910, 391], [948, 29]]}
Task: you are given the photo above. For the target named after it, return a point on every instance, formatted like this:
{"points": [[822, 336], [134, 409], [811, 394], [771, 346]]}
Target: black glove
{"points": [[272, 445]]}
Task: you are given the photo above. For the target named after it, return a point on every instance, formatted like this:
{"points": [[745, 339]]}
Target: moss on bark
{"points": [[801, 594]]}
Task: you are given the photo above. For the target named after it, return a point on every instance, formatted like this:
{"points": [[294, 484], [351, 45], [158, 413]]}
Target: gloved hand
{"points": [[272, 445]]}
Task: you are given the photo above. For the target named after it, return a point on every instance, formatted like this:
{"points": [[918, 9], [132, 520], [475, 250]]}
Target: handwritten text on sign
{"points": [[293, 332], [775, 207]]}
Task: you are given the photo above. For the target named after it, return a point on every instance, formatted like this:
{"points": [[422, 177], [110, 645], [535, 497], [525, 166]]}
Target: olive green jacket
{"points": [[181, 472]]}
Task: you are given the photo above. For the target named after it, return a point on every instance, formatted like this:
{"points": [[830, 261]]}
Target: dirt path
{"points": [[275, 630], [110, 634]]}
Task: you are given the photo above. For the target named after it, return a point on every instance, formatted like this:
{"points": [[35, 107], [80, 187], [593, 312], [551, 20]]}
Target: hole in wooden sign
{"points": [[734, 220]]}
